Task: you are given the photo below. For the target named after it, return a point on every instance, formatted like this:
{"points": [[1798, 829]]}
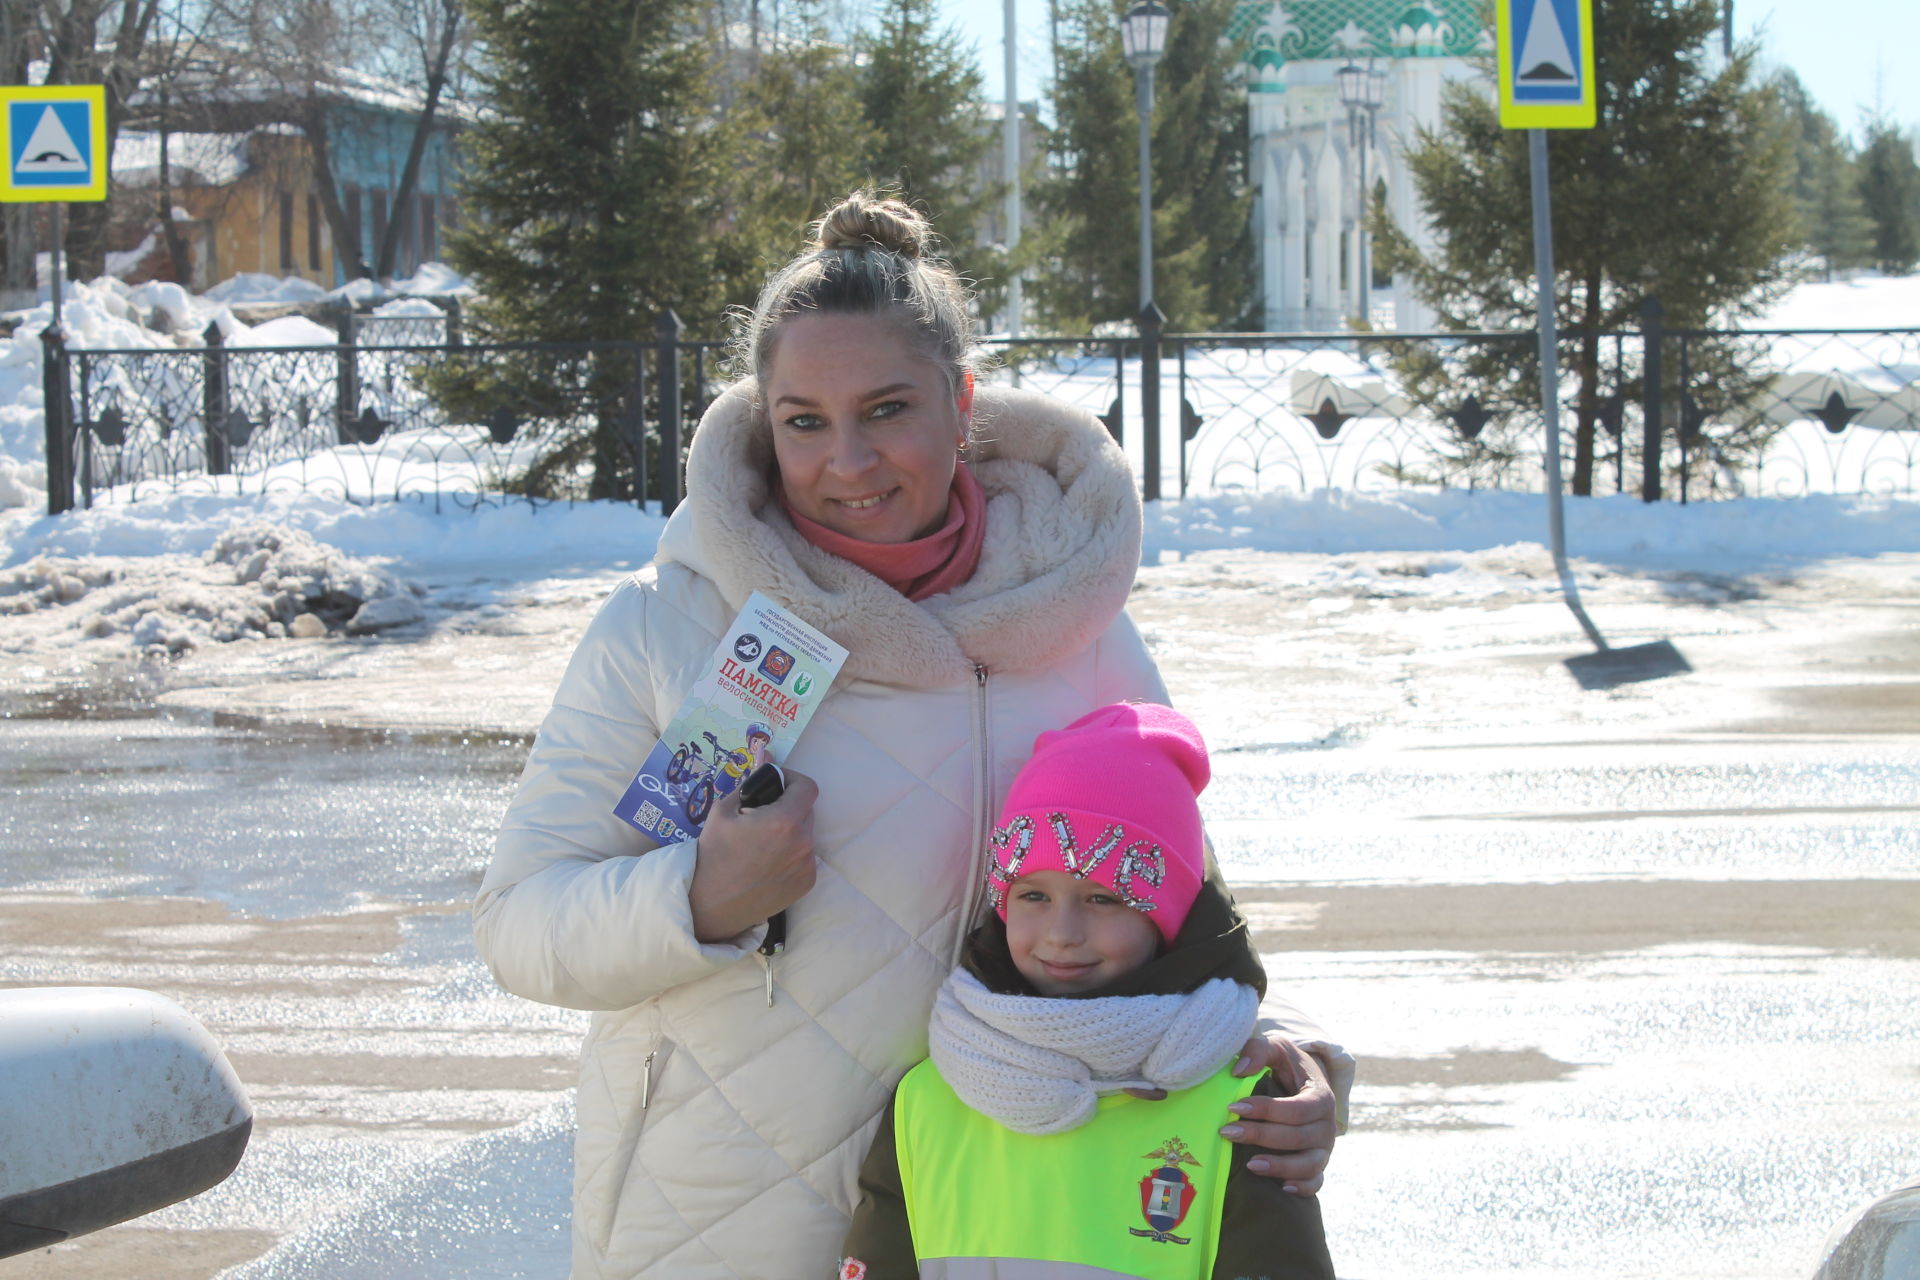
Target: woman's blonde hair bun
{"points": [[866, 220], [872, 255]]}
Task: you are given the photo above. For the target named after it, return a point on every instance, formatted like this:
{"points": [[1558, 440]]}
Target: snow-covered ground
{"points": [[186, 572]]}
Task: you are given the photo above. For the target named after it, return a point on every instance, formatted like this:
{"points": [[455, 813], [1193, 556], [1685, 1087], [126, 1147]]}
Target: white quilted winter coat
{"points": [[720, 1137]]}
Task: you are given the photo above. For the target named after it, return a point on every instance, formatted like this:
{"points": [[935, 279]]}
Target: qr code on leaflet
{"points": [[649, 815]]}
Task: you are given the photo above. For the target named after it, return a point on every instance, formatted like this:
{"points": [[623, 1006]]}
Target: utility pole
{"points": [[1010, 171], [17, 283]]}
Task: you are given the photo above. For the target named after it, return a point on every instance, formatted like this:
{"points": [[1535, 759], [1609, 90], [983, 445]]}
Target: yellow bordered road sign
{"points": [[53, 141], [1544, 55]]}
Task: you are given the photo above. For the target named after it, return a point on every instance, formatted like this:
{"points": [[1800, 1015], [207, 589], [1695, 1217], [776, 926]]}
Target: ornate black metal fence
{"points": [[416, 416], [1662, 413], [403, 409], [1839, 413]]}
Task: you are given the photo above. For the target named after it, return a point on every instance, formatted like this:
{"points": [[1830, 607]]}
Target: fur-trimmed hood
{"points": [[1062, 544]]}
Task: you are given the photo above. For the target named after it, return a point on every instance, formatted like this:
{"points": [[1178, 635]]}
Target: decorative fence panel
{"points": [[421, 415], [1306, 412], [1840, 413], [466, 425], [1088, 372]]}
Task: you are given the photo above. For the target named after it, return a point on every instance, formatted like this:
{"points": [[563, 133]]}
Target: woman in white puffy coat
{"points": [[720, 1134]]}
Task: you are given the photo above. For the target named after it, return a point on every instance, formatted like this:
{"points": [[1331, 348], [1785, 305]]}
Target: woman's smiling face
{"points": [[866, 430]]}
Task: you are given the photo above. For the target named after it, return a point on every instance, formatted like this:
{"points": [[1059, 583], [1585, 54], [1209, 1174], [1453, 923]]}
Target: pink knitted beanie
{"points": [[1112, 798]]}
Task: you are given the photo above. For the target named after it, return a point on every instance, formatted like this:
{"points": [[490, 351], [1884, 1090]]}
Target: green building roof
{"points": [[1283, 31]]}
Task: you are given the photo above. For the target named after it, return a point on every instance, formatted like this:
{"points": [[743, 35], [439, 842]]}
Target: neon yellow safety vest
{"points": [[1136, 1191]]}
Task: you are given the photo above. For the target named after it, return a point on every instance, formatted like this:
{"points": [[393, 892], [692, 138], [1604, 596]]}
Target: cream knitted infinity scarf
{"points": [[1038, 1064]]}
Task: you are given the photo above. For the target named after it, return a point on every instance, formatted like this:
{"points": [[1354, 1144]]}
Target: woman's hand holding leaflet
{"points": [[753, 863]]}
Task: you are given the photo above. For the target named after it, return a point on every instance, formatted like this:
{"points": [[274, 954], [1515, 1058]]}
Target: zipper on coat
{"points": [[982, 809], [653, 1051]]}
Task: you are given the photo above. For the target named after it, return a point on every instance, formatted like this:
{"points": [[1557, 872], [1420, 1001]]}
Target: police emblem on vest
{"points": [[1166, 1194]]}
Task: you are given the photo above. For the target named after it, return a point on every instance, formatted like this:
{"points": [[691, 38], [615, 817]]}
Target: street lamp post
{"points": [[1362, 93], [1143, 34]]}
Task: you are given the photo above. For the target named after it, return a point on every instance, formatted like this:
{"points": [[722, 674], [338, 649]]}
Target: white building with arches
{"points": [[1306, 158]]}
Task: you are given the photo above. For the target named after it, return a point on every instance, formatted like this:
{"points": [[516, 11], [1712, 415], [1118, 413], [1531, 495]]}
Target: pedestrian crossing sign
{"points": [[1544, 52], [53, 139]]}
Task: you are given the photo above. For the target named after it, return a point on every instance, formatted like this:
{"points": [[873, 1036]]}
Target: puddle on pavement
{"points": [[1841, 917], [1848, 708], [1467, 1066], [106, 692], [109, 798]]}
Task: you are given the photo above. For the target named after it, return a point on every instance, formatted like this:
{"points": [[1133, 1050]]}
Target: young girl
{"points": [[1067, 1122]]}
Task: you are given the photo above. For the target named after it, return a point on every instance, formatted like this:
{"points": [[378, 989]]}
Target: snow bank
{"points": [[106, 313], [22, 484], [103, 314], [435, 279], [167, 303], [512, 540], [1733, 535], [23, 434], [253, 286], [287, 331], [257, 581], [1866, 302], [410, 308]]}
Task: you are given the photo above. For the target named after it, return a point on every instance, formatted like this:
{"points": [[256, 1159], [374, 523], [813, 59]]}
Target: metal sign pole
{"points": [[1544, 57], [1608, 666], [1550, 373], [57, 267]]}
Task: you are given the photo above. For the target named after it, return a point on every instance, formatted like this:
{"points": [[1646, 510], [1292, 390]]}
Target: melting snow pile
{"points": [[258, 581], [22, 484]]}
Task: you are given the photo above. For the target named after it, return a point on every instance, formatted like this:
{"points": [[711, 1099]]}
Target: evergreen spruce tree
{"points": [[1683, 192], [807, 143], [593, 185], [1890, 189], [591, 195], [930, 140], [1203, 238], [1090, 266], [1833, 218]]}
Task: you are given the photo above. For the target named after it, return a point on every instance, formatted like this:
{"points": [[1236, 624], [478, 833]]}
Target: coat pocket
{"points": [[626, 1079]]}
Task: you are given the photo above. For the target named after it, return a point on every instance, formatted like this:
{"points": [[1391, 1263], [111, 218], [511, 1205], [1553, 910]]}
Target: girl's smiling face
{"points": [[866, 431], [1070, 935]]}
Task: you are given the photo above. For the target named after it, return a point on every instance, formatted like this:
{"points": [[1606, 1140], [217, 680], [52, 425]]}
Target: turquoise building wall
{"points": [[370, 146]]}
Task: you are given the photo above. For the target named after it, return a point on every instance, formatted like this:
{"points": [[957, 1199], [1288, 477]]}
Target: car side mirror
{"points": [[115, 1103], [1878, 1241]]}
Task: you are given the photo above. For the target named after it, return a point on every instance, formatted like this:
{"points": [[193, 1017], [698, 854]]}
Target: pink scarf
{"points": [[926, 566]]}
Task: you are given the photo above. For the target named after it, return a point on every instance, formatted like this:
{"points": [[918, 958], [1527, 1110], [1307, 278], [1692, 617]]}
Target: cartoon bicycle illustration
{"points": [[697, 781]]}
